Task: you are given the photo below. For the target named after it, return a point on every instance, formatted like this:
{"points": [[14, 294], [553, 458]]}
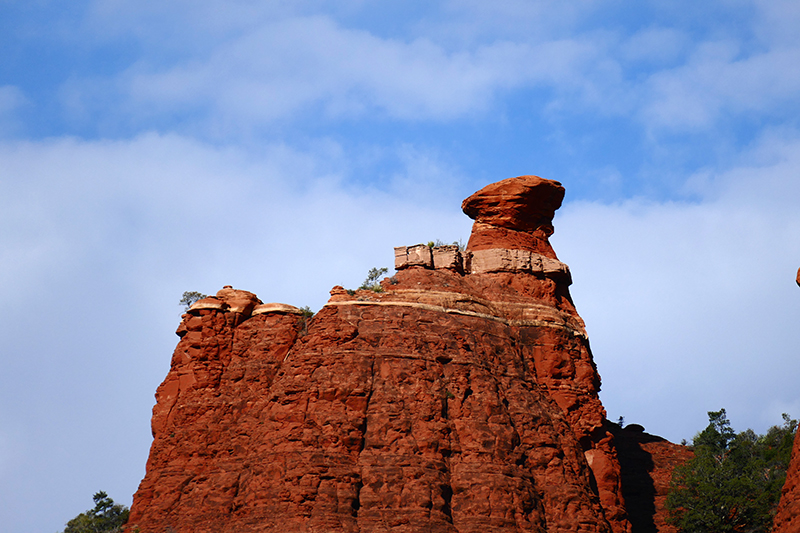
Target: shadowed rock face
{"points": [[457, 400], [646, 463]]}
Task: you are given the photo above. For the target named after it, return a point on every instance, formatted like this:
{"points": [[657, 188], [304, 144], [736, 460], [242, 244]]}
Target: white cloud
{"points": [[279, 64], [692, 306], [281, 69], [224, 70], [721, 79], [158, 198]]}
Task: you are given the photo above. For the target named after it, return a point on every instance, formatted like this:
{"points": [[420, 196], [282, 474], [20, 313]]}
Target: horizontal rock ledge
{"points": [[480, 261]]}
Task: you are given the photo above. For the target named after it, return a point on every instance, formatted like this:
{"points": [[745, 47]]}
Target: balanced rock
{"points": [[453, 401], [515, 213]]}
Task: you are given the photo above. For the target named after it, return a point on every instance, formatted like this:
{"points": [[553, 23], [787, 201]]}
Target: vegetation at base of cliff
{"points": [[106, 517], [372, 283], [733, 483], [190, 297]]}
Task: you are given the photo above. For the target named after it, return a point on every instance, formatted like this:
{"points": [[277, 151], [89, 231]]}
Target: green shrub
{"points": [[372, 283], [438, 242], [106, 517]]}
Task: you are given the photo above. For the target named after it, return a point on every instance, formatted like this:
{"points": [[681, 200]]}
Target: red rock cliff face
{"points": [[463, 398], [787, 519]]}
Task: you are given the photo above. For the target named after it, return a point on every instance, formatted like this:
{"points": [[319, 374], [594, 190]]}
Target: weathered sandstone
{"points": [[448, 256], [462, 398], [515, 213], [408, 256], [787, 518], [646, 462]]}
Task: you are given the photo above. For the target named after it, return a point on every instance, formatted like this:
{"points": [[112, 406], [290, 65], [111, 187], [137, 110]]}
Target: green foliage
{"points": [[305, 318], [734, 481], [372, 283], [190, 297], [437, 242], [106, 517]]}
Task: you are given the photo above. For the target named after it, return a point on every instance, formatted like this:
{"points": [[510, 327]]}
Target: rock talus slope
{"points": [[462, 398]]}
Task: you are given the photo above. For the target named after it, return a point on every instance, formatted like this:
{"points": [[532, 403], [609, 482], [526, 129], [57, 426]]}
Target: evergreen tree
{"points": [[734, 481], [106, 517]]}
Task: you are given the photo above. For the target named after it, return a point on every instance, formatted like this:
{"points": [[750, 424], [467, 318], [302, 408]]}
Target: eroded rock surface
{"points": [[787, 518], [647, 462], [455, 401]]}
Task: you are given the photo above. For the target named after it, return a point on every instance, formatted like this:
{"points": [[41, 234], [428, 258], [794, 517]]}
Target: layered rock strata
{"points": [[462, 398]]}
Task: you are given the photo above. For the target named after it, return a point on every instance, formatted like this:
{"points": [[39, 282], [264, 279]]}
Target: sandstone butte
{"points": [[462, 398]]}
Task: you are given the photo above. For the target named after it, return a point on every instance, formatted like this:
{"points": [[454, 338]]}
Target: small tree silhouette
{"points": [[190, 297], [371, 283]]}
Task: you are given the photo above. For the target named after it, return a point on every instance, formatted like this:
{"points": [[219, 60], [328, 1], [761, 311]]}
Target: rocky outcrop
{"points": [[516, 214], [787, 518], [461, 398], [231, 349], [646, 463]]}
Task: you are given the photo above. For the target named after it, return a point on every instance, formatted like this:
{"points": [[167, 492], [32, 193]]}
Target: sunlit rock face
{"points": [[787, 519], [462, 398]]}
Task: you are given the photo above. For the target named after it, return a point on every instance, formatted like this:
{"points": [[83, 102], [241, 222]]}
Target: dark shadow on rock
{"points": [[636, 467]]}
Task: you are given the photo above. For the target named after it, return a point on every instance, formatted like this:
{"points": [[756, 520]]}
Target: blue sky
{"points": [[148, 148]]}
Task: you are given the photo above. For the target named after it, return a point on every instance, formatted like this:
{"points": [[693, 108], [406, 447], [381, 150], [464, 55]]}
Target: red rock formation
{"points": [[647, 462], [463, 398], [230, 350], [787, 519]]}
